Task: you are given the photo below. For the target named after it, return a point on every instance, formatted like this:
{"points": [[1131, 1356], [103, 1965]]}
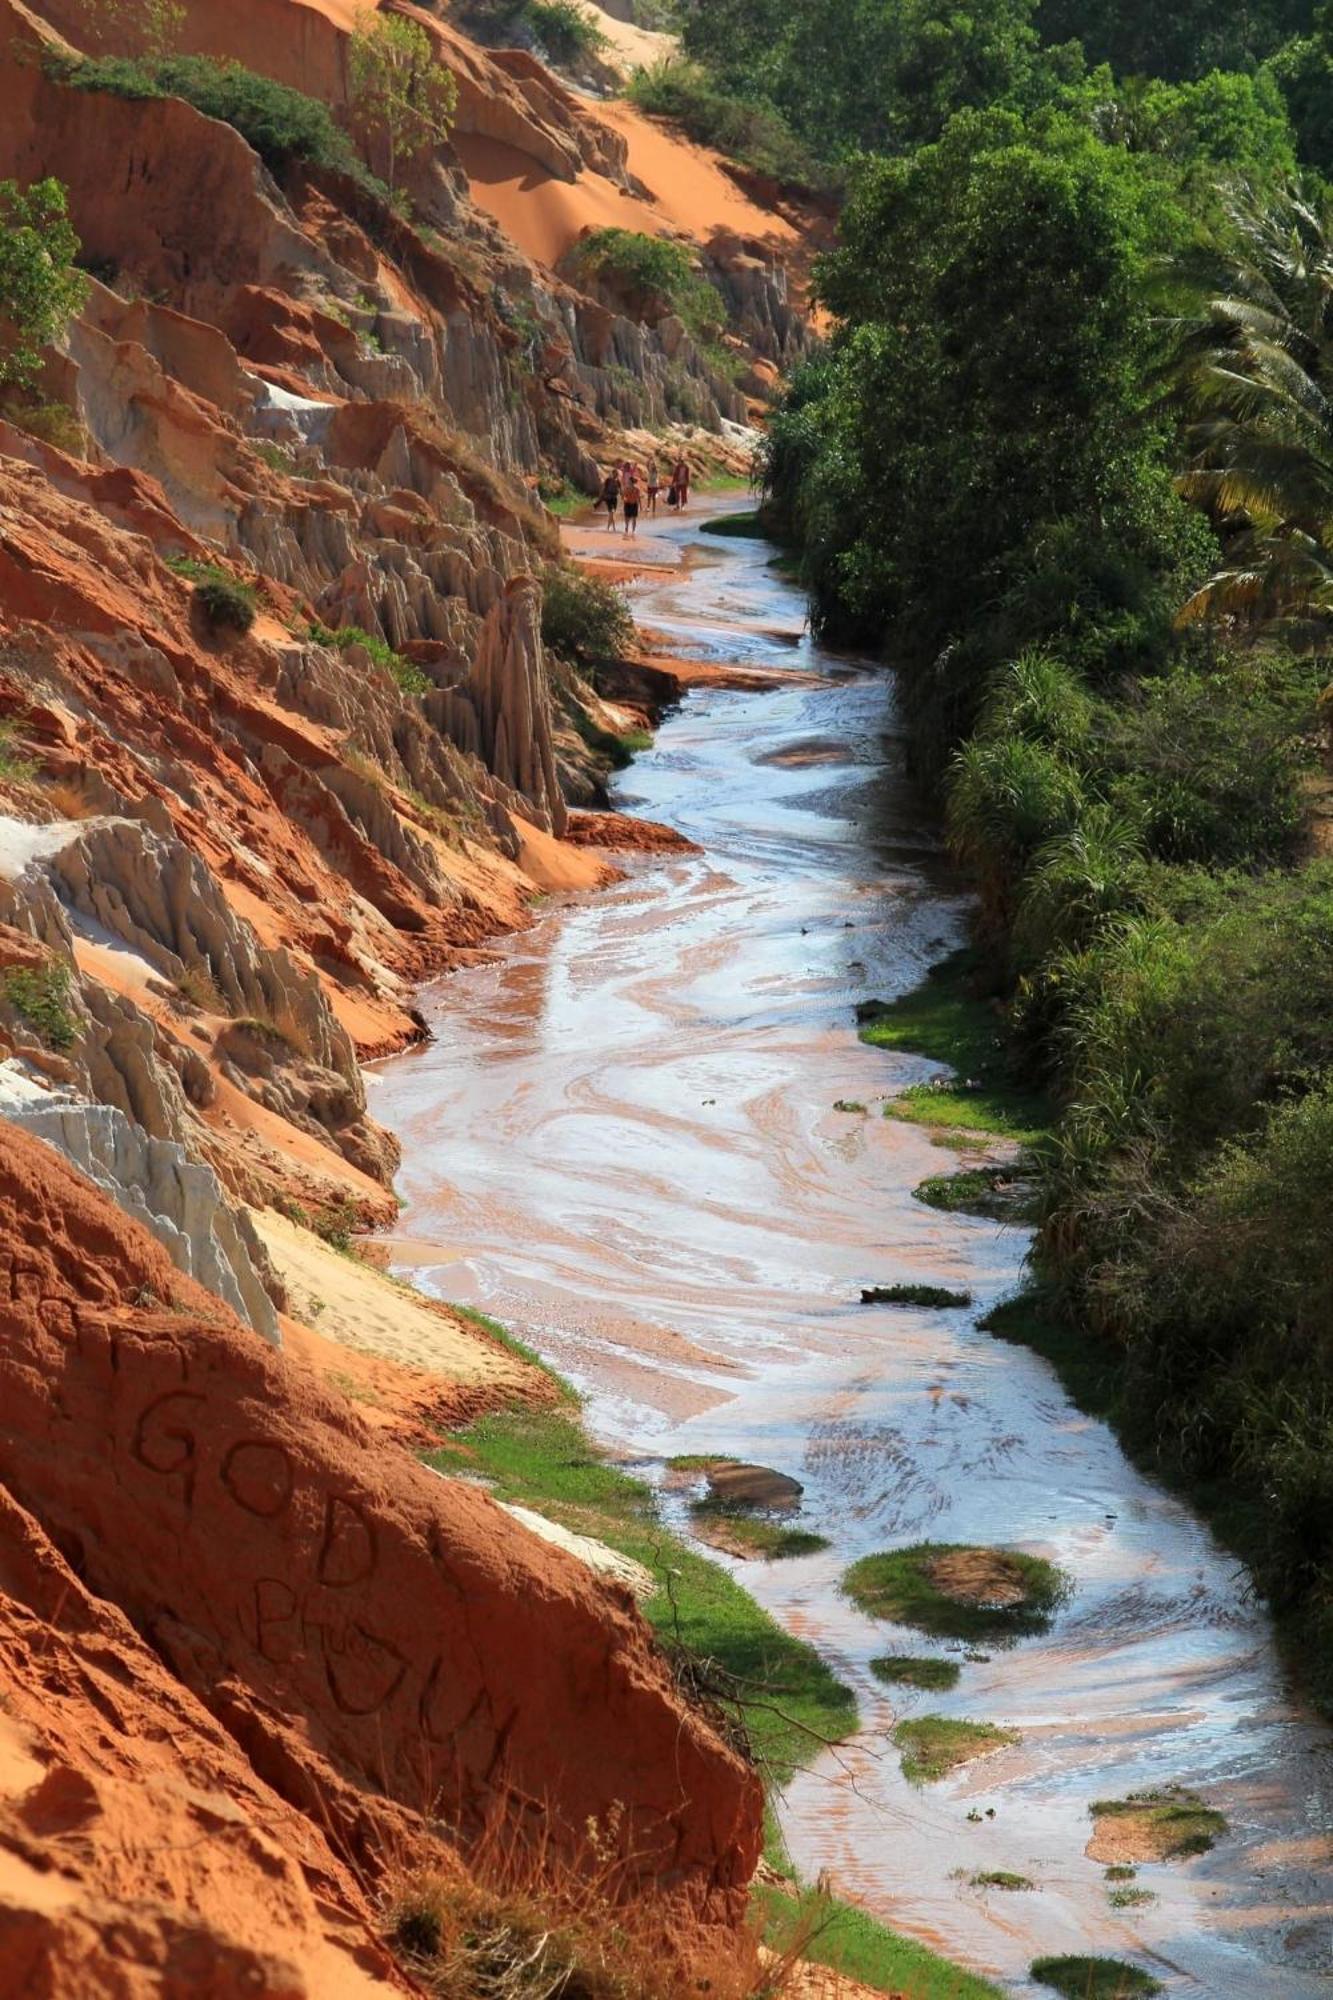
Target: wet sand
{"points": [[624, 1133]]}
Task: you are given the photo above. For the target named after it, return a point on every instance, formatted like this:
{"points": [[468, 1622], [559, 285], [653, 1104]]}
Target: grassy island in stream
{"points": [[783, 1699]]}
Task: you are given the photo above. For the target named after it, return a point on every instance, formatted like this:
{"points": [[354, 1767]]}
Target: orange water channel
{"points": [[623, 1139]]}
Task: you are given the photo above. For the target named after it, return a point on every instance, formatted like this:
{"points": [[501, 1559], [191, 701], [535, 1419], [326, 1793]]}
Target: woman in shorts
{"points": [[611, 497]]}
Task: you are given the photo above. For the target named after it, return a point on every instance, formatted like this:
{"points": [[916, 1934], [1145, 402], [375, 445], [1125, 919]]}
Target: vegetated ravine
{"points": [[624, 1139]]}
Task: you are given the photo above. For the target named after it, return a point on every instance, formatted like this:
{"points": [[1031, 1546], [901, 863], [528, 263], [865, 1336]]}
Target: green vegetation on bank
{"points": [[1065, 461], [739, 125], [777, 1688], [943, 1019], [836, 1934], [283, 125], [774, 1689]]}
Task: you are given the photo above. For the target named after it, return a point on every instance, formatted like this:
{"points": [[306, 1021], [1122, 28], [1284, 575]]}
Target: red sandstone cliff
{"points": [[255, 1663], [376, 1647]]}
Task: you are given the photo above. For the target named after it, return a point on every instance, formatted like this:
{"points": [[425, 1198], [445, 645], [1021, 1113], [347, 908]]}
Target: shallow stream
{"points": [[624, 1141]]}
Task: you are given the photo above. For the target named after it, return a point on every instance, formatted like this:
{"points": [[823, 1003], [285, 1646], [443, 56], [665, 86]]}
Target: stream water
{"points": [[623, 1139]]}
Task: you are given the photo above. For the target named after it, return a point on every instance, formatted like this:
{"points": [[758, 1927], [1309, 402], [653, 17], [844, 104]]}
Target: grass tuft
{"points": [[902, 1670], [1177, 1823], [1001, 1194], [1002, 1878]]}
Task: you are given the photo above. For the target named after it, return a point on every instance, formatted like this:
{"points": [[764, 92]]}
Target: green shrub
{"points": [[751, 132], [226, 603], [584, 621], [280, 123], [653, 276], [408, 676], [40, 290], [564, 30], [53, 423], [39, 994], [1008, 796], [1216, 758], [15, 766]]}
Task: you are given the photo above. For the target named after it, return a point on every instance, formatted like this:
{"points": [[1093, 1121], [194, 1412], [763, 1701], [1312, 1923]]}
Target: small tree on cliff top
{"points": [[403, 98], [39, 287]]}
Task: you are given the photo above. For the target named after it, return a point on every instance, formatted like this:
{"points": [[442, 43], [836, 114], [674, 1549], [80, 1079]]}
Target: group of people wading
{"points": [[626, 487]]}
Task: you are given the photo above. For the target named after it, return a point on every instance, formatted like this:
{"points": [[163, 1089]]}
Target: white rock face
{"points": [[180, 1200]]}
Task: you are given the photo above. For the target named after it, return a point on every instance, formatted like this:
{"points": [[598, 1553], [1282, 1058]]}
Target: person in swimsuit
{"points": [[654, 485], [680, 483], [611, 497], [630, 492]]}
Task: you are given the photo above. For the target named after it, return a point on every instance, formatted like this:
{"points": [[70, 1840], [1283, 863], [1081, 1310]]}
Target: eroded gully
{"points": [[623, 1140]]}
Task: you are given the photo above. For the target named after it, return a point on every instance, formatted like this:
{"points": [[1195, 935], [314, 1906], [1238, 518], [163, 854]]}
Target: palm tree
{"points": [[1256, 373]]}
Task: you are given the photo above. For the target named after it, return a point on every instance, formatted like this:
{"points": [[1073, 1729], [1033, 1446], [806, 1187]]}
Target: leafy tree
{"points": [[1303, 71], [983, 471], [402, 96], [39, 286], [1185, 39], [881, 74], [1223, 125]]}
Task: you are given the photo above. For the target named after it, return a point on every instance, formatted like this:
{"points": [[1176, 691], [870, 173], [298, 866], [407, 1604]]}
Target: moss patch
{"points": [[934, 1745], [1166, 1825], [902, 1670], [780, 1690], [1002, 1878], [957, 1592], [1094, 1978]]}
